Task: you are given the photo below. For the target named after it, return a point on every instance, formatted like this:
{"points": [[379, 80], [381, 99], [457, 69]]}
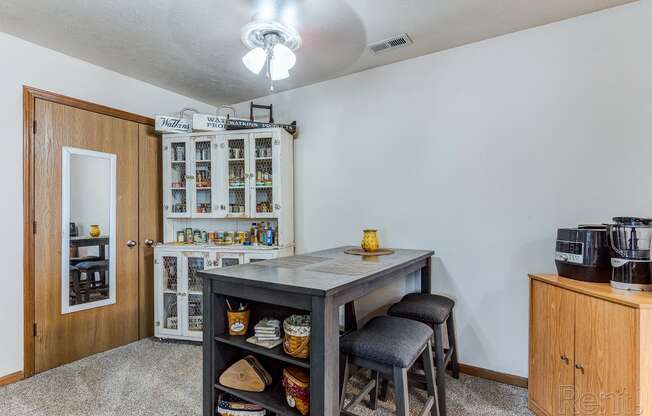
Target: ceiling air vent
{"points": [[391, 43]]}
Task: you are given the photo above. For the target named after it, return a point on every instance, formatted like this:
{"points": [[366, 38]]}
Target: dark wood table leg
{"points": [[324, 358], [426, 277], [208, 376]]}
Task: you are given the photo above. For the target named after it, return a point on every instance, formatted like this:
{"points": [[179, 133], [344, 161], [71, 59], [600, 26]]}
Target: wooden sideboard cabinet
{"points": [[590, 349]]}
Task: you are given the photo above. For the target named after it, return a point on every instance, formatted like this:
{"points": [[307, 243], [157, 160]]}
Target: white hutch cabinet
{"points": [[218, 182]]}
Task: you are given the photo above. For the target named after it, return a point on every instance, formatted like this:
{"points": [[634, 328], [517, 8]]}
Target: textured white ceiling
{"points": [[193, 47]]}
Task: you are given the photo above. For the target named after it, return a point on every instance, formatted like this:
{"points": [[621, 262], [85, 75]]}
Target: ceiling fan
{"points": [[271, 46]]}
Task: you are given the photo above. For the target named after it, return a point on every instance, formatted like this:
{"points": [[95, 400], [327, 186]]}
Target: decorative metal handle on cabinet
{"points": [[131, 243], [579, 367], [564, 358], [148, 242]]}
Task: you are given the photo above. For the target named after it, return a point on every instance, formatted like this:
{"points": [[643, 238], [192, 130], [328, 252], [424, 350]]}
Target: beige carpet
{"points": [[160, 379]]}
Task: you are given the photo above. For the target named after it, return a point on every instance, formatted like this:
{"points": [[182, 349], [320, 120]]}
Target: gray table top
{"points": [[322, 272]]}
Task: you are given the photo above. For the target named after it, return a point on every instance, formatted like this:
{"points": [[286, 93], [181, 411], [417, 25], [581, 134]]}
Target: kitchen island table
{"points": [[315, 283]]}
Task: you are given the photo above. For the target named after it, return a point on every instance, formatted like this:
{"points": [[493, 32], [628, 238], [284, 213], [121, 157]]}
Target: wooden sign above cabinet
{"points": [[168, 124]]}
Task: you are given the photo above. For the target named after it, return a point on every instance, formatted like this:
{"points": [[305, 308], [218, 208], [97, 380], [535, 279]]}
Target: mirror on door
{"points": [[88, 249]]}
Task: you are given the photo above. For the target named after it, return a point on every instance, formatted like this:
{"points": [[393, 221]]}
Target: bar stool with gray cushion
{"points": [[389, 346], [434, 310], [90, 268]]}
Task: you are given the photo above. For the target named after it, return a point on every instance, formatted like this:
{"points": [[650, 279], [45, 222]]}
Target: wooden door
{"points": [[551, 375], [62, 338], [150, 226], [606, 359]]}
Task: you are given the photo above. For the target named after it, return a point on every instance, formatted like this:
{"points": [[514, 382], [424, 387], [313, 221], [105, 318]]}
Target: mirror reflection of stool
{"points": [[96, 279], [75, 293]]}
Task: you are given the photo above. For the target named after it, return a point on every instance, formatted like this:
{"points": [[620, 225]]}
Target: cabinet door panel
{"points": [[265, 175], [204, 176], [175, 177], [167, 286], [551, 348], [606, 353], [237, 147]]}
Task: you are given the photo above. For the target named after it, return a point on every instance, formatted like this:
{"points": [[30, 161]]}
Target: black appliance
{"points": [[582, 253]]}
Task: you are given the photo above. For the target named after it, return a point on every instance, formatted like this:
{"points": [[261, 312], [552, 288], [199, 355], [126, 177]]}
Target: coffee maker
{"points": [[629, 241]]}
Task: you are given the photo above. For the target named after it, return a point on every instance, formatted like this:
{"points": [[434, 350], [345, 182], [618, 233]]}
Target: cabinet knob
{"points": [[277, 206], [580, 367], [564, 358], [148, 242], [131, 243]]}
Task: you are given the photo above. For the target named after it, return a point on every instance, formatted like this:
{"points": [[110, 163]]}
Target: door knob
{"points": [[131, 243], [148, 242]]}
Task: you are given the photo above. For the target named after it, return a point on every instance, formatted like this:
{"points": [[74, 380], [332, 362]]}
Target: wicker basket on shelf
{"points": [[296, 382], [297, 336]]}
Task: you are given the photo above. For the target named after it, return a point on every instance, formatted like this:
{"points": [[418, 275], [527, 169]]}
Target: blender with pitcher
{"points": [[629, 241]]}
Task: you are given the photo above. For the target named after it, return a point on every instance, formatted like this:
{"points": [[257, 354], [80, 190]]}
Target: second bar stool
{"points": [[389, 346], [434, 310]]}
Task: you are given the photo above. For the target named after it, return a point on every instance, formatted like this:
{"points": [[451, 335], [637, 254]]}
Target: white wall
{"points": [[24, 63], [90, 196], [90, 193], [481, 153]]}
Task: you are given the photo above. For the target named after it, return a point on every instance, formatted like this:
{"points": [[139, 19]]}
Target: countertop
{"points": [[321, 273], [641, 300]]}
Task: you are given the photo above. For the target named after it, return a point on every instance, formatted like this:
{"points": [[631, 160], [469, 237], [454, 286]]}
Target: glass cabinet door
{"points": [[193, 263], [203, 195], [263, 178], [169, 266], [176, 154], [236, 160]]}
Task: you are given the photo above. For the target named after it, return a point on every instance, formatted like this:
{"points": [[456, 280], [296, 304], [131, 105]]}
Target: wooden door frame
{"points": [[30, 95]]}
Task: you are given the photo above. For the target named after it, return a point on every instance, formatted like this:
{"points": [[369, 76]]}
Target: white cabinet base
{"points": [[178, 288]]}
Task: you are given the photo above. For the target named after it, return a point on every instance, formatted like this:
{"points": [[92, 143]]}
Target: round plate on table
{"points": [[361, 252]]}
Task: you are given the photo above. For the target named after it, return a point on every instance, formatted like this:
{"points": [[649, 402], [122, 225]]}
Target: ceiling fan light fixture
{"points": [[277, 72], [271, 46], [284, 57], [255, 59]]}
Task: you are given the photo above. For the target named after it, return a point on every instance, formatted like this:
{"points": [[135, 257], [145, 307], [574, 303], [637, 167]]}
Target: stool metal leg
{"points": [[452, 342], [384, 388], [440, 370], [401, 391], [344, 378], [373, 395], [426, 358]]}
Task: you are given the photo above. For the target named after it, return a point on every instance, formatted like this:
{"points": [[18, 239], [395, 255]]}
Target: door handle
{"points": [[131, 243], [564, 358], [148, 242], [580, 367]]}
